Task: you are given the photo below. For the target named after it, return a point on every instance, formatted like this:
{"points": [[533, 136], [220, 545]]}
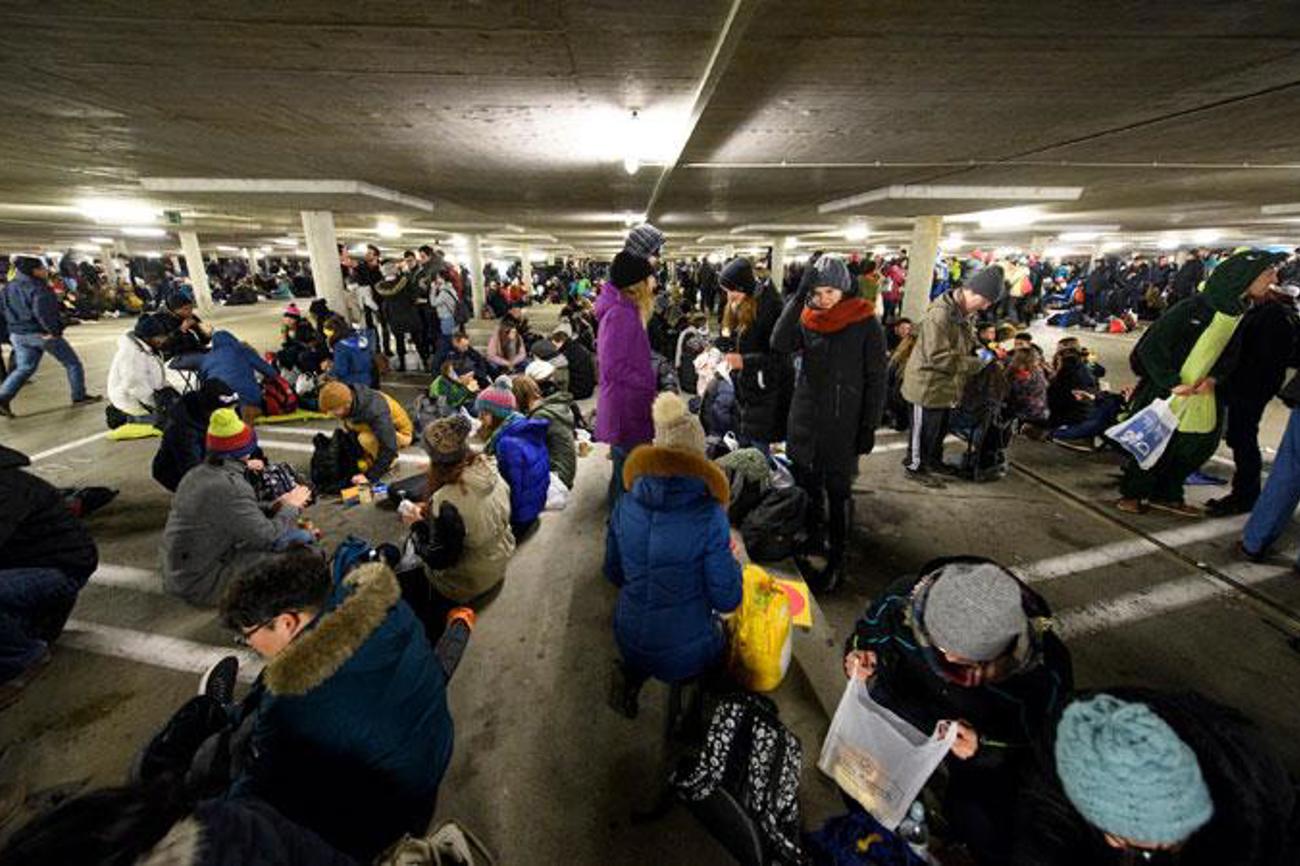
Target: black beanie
{"points": [[987, 283], [628, 270], [738, 276], [215, 394], [28, 264], [150, 326]]}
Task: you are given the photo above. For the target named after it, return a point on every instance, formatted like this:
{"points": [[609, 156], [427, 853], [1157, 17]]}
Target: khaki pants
{"points": [[370, 443]]}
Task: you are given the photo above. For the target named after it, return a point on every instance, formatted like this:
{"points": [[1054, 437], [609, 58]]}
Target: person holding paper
{"points": [[967, 642]]}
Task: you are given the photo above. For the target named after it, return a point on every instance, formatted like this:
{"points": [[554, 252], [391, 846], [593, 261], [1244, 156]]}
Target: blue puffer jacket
{"points": [[669, 548], [354, 361], [235, 363], [350, 729], [524, 463], [28, 306]]}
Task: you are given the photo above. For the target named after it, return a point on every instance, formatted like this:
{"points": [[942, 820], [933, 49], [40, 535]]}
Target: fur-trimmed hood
{"points": [[317, 654], [652, 461]]}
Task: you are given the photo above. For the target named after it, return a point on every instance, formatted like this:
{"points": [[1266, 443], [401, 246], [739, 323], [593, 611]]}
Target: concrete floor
{"points": [[543, 771]]}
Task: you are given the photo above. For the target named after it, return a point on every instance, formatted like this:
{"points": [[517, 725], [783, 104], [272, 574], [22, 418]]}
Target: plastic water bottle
{"points": [[914, 832]]}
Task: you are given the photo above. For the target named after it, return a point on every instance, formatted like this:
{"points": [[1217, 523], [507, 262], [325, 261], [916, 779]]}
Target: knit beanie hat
{"points": [[675, 427], [444, 439], [335, 395], [292, 312], [1128, 773], [628, 270], [498, 399], [644, 241], [229, 436], [831, 271], [738, 276], [987, 283], [539, 370], [149, 326], [974, 610]]}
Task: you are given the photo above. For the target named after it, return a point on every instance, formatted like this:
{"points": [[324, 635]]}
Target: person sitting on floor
{"points": [[557, 409], [350, 731], [668, 549], [1028, 397], [582, 366], [238, 365], [967, 643], [46, 557], [186, 332], [182, 445], [462, 532], [519, 446], [468, 359], [300, 343], [216, 528], [138, 373], [505, 350], [381, 424], [1130, 775], [453, 389], [352, 355]]}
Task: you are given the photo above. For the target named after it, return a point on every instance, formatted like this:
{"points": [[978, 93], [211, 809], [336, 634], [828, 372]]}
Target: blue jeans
{"points": [[28, 349], [1105, 411], [34, 605], [618, 458], [1281, 493]]}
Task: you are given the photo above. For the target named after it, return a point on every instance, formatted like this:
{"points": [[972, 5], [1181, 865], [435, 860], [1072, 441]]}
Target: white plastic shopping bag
{"points": [[1147, 434], [877, 758], [557, 495]]}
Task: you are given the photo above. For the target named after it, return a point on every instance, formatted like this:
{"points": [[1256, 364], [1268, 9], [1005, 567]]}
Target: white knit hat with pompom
{"points": [[675, 427]]}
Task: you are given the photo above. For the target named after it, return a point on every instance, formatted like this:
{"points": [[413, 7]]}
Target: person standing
{"points": [[1186, 354], [1277, 503], [1268, 346], [838, 399], [1188, 277], [368, 273], [32, 314], [947, 353], [627, 376], [761, 375]]}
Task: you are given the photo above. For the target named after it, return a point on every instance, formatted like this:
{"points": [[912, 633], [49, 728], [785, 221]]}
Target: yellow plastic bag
{"points": [[758, 654]]}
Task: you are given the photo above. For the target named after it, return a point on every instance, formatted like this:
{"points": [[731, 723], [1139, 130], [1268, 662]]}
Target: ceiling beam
{"points": [[283, 186]]}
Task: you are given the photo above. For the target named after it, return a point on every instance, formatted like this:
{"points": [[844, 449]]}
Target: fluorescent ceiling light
{"points": [[1111, 246], [1290, 207], [953, 192], [357, 249], [878, 250], [143, 232], [1007, 217], [857, 232], [86, 248], [954, 239], [1206, 236], [103, 210], [286, 242], [1069, 237], [791, 242], [388, 229], [1169, 242], [784, 228], [225, 249], [101, 241], [301, 251], [152, 254], [537, 256]]}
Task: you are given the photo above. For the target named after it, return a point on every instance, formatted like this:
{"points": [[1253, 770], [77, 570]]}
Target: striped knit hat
{"points": [[229, 436], [498, 399]]}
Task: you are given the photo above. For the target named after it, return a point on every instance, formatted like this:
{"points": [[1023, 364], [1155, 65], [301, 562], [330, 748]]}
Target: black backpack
{"points": [[774, 529], [334, 460]]}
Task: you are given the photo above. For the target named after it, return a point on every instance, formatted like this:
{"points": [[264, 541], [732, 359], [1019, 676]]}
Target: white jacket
{"points": [[137, 372]]}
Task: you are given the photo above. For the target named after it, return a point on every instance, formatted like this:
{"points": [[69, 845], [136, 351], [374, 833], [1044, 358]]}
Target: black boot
{"points": [[841, 517]]}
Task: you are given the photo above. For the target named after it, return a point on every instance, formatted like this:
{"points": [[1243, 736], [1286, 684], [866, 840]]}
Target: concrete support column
{"points": [[920, 265], [198, 273], [322, 247], [108, 254], [526, 267], [477, 283], [250, 253], [778, 264]]}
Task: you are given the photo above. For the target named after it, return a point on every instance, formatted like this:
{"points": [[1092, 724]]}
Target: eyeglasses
{"points": [[242, 639]]}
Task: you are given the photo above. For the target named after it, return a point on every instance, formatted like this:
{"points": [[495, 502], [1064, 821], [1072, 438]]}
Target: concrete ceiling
{"points": [[513, 117]]}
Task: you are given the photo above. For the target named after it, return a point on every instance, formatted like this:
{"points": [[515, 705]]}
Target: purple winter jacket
{"points": [[627, 378]]}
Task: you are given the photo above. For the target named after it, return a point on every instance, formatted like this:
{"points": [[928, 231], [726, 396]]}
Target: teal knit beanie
{"points": [[1128, 773]]}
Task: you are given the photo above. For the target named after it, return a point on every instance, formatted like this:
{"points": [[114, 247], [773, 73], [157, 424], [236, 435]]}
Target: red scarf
{"points": [[847, 312]]}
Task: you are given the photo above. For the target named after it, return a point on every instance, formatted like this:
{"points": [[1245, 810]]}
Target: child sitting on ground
{"points": [[519, 445], [668, 549], [1028, 399]]}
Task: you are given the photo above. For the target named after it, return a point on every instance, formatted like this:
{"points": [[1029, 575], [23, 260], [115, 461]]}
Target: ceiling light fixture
{"points": [[388, 229], [286, 242], [955, 239], [143, 232], [791, 242], [632, 146], [103, 242], [1169, 242], [103, 210], [857, 232], [1069, 237], [152, 254], [1206, 236], [1007, 217]]}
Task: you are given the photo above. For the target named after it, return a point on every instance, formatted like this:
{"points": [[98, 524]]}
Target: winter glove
{"points": [[986, 356]]}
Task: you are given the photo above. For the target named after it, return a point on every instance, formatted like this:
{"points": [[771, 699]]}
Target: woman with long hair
{"points": [[627, 376], [760, 375], [839, 395], [505, 350]]}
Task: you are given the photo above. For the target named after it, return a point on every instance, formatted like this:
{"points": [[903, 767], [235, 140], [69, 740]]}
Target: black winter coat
{"points": [[242, 832], [763, 385], [582, 370], [1255, 817], [399, 307], [182, 445], [1267, 336], [839, 389], [36, 528]]}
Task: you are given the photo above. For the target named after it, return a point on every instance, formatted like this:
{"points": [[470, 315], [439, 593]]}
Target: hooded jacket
{"points": [[944, 357], [136, 373], [236, 364], [519, 446], [627, 376], [560, 448], [668, 548], [1268, 335], [36, 528], [30, 307], [386, 419], [483, 499], [215, 517], [1012, 711], [354, 361], [351, 734], [1255, 821]]}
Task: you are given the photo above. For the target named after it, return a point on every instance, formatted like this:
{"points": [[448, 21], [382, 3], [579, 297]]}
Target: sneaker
{"points": [[1262, 556], [1226, 506], [924, 478], [88, 399], [218, 681], [1131, 506], [1084, 445], [1181, 509]]}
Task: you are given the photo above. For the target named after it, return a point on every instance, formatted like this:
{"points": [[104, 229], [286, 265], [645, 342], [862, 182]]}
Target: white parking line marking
{"points": [[173, 653], [67, 446]]}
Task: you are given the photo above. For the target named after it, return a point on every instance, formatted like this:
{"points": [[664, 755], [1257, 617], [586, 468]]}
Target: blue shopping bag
{"points": [[1147, 433]]}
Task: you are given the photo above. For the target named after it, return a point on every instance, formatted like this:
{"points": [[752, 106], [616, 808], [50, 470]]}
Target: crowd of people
{"points": [[709, 385]]}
